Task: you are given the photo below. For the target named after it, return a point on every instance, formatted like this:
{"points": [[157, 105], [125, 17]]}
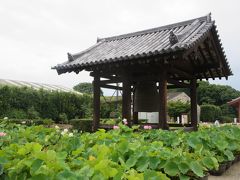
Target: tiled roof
{"points": [[234, 102], [140, 44], [172, 95]]}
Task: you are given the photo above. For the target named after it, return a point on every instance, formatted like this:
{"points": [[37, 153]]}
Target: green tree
{"points": [[212, 93], [63, 118], [32, 113], [176, 108], [215, 94], [85, 88], [210, 113]]}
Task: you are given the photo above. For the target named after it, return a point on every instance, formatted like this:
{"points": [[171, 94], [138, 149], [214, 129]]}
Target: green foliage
{"points": [[228, 113], [176, 108], [84, 125], [36, 152], [110, 121], [210, 113], [215, 94], [29, 122], [47, 122], [108, 110], [85, 88], [17, 113], [226, 119], [25, 102], [63, 118], [32, 113]]}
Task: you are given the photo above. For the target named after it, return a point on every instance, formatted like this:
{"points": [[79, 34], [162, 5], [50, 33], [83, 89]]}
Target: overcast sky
{"points": [[37, 34]]}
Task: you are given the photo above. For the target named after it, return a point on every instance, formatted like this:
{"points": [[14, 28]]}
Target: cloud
{"points": [[36, 35]]}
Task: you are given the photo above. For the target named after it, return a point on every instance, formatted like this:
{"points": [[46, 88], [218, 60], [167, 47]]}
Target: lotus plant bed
{"points": [[36, 152], [173, 126]]}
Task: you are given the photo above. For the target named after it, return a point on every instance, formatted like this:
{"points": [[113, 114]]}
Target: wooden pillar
{"points": [[162, 119], [135, 114], [193, 94], [96, 102], [126, 101], [135, 117]]}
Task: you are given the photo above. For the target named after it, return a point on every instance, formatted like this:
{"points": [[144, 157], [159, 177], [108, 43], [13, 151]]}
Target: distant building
{"points": [[152, 117], [37, 86], [236, 104]]}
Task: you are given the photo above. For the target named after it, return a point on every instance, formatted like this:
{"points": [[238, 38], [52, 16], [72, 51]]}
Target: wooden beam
{"points": [[114, 79], [181, 72], [205, 67], [111, 87], [201, 68], [175, 86], [110, 81], [196, 63], [96, 102], [178, 83], [205, 61], [219, 53], [126, 101], [193, 95], [162, 117], [193, 65], [106, 75], [211, 58]]}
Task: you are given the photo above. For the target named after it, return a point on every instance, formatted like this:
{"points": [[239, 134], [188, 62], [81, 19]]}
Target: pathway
{"points": [[233, 173]]}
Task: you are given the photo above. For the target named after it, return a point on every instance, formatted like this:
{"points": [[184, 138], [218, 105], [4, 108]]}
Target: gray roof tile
{"points": [[142, 43]]}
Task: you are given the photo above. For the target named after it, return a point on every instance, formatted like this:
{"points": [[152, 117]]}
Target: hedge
{"points": [[84, 125], [27, 103], [29, 122], [210, 113]]}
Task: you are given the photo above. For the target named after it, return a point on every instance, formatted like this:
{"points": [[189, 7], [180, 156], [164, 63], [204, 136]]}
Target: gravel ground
{"points": [[233, 173]]}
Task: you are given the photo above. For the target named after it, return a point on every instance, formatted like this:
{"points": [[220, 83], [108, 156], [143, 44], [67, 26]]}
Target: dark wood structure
{"points": [[174, 56], [236, 104]]}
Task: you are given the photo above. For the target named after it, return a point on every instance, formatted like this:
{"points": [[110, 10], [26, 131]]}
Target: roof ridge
{"points": [[138, 33], [77, 55]]}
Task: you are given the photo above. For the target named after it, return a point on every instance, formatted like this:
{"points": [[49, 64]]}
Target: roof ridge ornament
{"points": [[209, 19], [173, 38], [98, 39], [70, 57]]}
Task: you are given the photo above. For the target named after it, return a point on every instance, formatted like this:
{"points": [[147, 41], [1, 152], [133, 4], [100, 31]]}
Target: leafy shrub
{"points": [[17, 114], [27, 103], [115, 114], [84, 125], [20, 121], [110, 121], [176, 108], [210, 113], [32, 113], [63, 118], [47, 122], [36, 152], [29, 122], [142, 121], [226, 119]]}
